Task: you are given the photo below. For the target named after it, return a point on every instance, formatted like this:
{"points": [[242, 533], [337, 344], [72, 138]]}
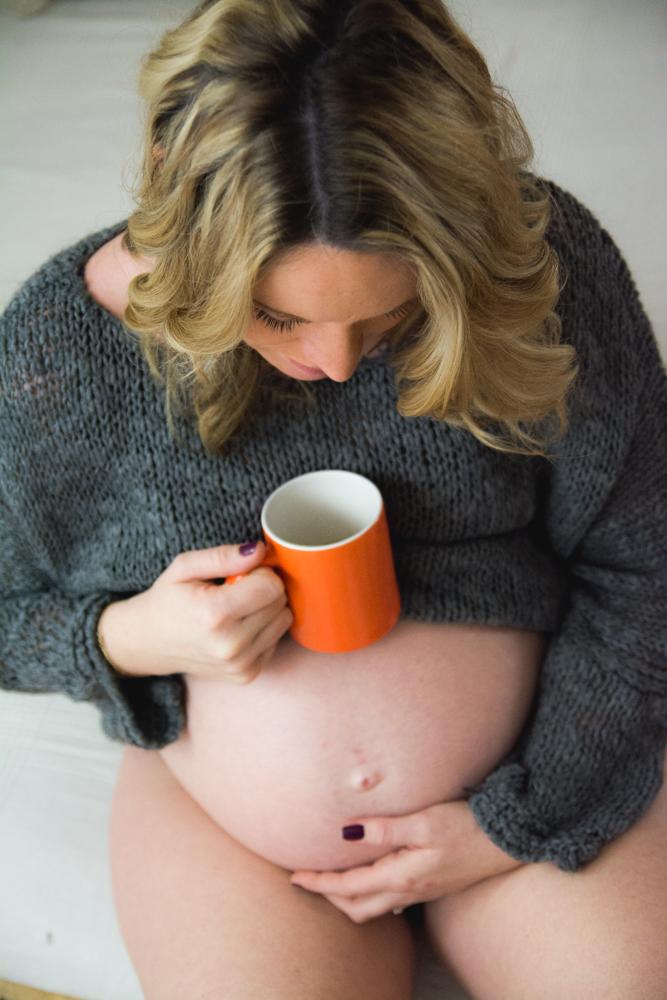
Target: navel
{"points": [[362, 779]]}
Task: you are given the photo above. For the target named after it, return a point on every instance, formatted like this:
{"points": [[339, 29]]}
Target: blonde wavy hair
{"points": [[366, 125]]}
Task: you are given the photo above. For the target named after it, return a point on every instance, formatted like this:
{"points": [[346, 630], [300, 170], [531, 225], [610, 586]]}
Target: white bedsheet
{"points": [[588, 76]]}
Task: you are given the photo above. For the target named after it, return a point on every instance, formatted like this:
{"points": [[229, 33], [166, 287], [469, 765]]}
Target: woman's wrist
{"points": [[492, 859], [107, 631]]}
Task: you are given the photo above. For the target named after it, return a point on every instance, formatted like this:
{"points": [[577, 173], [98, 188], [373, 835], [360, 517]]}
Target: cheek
{"points": [[258, 335], [258, 339]]}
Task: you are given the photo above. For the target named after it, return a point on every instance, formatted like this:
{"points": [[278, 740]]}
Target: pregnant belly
{"points": [[320, 740]]}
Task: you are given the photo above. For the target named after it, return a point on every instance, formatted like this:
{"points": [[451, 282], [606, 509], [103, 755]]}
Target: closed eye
{"points": [[276, 324], [289, 324]]}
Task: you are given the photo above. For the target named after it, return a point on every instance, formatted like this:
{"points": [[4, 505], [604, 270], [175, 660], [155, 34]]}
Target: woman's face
{"points": [[325, 309]]}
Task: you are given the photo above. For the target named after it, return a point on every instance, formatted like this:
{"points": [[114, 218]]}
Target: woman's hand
{"points": [[190, 622], [442, 850]]}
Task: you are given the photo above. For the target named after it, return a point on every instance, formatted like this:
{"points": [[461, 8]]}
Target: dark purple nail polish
{"points": [[354, 832], [247, 548]]}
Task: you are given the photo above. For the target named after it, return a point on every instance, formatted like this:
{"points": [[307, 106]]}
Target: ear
{"points": [[158, 151]]}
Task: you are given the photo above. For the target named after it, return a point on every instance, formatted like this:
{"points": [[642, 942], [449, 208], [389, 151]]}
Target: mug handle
{"points": [[270, 559]]}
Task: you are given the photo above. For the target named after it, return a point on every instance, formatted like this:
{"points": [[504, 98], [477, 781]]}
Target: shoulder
{"points": [[29, 326], [620, 367], [49, 323], [587, 251], [600, 306], [106, 276]]}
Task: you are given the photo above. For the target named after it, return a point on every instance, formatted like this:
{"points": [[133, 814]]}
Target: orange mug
{"points": [[327, 536]]}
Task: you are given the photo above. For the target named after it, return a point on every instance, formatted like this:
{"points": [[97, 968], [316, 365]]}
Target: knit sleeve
{"points": [[589, 762], [48, 643], [48, 631]]}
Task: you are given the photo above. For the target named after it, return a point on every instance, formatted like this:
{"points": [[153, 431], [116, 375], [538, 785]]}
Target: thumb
{"points": [[391, 831], [218, 562]]}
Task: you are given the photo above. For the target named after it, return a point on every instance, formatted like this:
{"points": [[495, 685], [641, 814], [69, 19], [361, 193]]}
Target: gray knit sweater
{"points": [[96, 499]]}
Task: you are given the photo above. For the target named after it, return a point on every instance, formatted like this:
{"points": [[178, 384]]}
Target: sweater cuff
{"points": [[562, 799], [147, 712]]}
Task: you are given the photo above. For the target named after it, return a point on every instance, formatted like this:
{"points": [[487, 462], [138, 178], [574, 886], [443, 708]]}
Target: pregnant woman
{"points": [[339, 258]]}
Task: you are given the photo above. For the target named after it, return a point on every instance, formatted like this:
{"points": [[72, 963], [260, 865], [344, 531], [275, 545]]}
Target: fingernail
{"points": [[247, 548], [354, 832]]}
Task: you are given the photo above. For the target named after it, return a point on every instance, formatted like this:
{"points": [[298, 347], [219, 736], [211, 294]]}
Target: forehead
{"points": [[321, 256], [313, 278]]}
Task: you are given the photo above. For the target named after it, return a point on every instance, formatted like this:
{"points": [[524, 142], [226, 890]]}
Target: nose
{"points": [[336, 352]]}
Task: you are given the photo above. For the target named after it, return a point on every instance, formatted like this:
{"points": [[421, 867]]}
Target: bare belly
{"points": [[320, 740]]}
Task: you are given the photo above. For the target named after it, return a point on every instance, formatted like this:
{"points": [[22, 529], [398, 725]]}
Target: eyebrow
{"points": [[300, 319]]}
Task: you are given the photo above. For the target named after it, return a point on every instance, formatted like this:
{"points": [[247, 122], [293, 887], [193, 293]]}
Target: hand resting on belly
{"points": [[318, 740]]}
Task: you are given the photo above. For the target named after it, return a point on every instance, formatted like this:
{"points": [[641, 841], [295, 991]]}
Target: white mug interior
{"points": [[322, 509]]}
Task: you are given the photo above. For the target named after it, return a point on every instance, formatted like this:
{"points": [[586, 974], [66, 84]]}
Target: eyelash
{"points": [[289, 324]]}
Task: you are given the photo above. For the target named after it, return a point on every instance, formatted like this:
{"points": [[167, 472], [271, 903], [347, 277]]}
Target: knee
{"points": [[550, 950], [616, 966], [615, 984], [639, 972]]}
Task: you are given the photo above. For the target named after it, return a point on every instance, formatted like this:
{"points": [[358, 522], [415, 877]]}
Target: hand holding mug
{"points": [[327, 536], [327, 540], [187, 623]]}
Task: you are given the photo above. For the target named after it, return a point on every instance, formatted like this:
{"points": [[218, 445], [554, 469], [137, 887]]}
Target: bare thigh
{"points": [[203, 917], [538, 931]]}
